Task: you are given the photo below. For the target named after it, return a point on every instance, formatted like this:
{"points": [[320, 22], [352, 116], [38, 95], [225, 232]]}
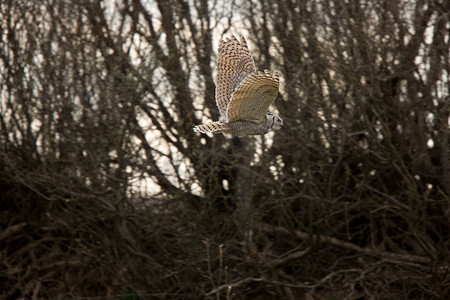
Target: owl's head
{"points": [[275, 121]]}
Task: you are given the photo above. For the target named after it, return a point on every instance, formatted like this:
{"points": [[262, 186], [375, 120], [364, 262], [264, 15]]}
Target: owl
{"points": [[243, 95]]}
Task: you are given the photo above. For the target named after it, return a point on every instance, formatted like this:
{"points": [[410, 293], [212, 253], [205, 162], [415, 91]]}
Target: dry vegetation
{"points": [[105, 190]]}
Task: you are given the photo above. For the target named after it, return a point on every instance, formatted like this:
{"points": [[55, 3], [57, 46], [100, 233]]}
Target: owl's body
{"points": [[243, 95], [240, 127]]}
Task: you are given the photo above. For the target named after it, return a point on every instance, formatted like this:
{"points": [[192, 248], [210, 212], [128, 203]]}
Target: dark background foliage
{"points": [[106, 190]]}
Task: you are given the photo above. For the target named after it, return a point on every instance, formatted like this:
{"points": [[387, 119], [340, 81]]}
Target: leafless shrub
{"points": [[107, 191]]}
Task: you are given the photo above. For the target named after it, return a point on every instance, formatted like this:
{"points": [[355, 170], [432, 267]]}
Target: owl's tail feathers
{"points": [[214, 127]]}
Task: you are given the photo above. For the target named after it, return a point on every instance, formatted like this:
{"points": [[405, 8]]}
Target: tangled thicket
{"points": [[106, 190]]}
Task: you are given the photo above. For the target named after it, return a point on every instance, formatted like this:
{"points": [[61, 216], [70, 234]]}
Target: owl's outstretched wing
{"points": [[253, 96], [234, 63]]}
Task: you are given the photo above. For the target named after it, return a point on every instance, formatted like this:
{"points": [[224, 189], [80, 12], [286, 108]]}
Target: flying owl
{"points": [[243, 95]]}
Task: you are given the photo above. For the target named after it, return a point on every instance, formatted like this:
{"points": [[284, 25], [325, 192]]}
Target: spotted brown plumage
{"points": [[243, 95], [234, 63], [211, 127]]}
